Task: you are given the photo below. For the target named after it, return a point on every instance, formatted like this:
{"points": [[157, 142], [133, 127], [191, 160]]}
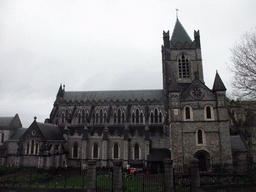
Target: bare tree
{"points": [[244, 66]]}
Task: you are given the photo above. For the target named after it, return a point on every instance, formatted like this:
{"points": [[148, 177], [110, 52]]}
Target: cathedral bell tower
{"points": [[181, 59]]}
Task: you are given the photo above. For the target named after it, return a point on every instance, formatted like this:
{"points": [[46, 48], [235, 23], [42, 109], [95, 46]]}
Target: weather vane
{"points": [[177, 10]]}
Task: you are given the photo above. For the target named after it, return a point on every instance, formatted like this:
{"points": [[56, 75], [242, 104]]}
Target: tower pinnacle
{"points": [[177, 10]]}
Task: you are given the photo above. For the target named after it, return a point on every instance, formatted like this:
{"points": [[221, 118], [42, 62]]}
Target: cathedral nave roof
{"points": [[114, 96]]}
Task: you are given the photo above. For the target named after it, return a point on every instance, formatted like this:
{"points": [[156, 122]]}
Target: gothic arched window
{"points": [[156, 116], [141, 117], [66, 114], [36, 149], [97, 118], [137, 116], [101, 116], [27, 152], [199, 137], [136, 151], [75, 150], [123, 117], [183, 67], [95, 151], [83, 116], [105, 117], [2, 138], [187, 113], [32, 147], [116, 151], [133, 118], [114, 117], [119, 116], [208, 112], [79, 118]]}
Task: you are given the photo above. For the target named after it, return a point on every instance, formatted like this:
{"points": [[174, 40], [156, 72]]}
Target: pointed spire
{"points": [[60, 92], [179, 34], [218, 84]]}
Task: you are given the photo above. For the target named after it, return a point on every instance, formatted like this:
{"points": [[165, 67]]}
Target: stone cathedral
{"points": [[185, 119]]}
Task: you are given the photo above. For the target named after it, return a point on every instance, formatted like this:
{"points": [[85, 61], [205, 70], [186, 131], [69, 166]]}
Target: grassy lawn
{"points": [[76, 181]]}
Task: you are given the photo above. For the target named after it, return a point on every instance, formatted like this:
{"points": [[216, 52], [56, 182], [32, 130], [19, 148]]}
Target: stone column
{"points": [[125, 153], [117, 174], [56, 160], [194, 174], [91, 174], [84, 149], [168, 175], [104, 150], [48, 163], [17, 162], [146, 152]]}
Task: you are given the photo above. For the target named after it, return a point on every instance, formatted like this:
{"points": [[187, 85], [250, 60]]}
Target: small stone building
{"points": [[8, 125], [42, 145]]}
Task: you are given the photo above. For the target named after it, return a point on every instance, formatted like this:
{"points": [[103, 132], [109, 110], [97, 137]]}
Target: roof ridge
{"points": [[134, 90]]}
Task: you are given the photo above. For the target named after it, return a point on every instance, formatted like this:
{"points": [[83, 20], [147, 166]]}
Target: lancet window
{"points": [[119, 116], [156, 116], [137, 116]]}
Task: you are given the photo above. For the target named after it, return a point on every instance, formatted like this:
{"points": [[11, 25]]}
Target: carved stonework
{"points": [[197, 93]]}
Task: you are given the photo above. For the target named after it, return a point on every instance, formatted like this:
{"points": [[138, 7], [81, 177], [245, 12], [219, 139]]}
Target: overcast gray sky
{"points": [[104, 45]]}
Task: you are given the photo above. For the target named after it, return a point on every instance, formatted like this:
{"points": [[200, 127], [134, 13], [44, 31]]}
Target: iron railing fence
{"points": [[143, 181], [104, 179], [181, 178]]}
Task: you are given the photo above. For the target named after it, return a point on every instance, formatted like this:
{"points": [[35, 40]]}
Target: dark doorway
{"points": [[203, 158], [202, 162]]}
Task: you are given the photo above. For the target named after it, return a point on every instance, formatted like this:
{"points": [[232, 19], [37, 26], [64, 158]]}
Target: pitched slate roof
{"points": [[179, 34], [237, 144], [108, 96], [5, 121], [10, 123], [50, 132], [218, 84], [17, 134]]}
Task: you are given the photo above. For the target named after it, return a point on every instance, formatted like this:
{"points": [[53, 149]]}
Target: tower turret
{"points": [[181, 58]]}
